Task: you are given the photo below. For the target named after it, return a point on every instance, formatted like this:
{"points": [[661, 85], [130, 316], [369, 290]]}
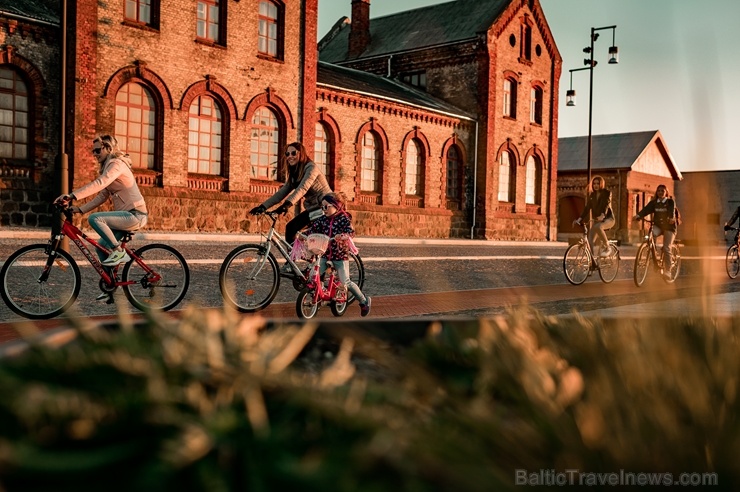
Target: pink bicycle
{"points": [[319, 292]]}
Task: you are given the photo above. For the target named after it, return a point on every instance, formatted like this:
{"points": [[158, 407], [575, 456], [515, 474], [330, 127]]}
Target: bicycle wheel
{"points": [[339, 308], [38, 286], [356, 274], [305, 307], [576, 264], [732, 262], [249, 278], [642, 264], [148, 292], [609, 265], [675, 264]]}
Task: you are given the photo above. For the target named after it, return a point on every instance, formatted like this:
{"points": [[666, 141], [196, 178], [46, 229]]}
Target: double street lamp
{"points": [[570, 96]]}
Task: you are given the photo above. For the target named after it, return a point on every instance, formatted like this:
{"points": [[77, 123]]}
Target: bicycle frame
{"points": [[321, 294], [650, 240], [273, 238], [77, 236]]}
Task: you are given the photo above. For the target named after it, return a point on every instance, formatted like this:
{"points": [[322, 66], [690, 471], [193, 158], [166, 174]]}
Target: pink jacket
{"points": [[116, 181]]}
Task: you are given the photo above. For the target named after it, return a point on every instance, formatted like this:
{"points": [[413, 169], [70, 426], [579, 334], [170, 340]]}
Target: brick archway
{"points": [[138, 72]]}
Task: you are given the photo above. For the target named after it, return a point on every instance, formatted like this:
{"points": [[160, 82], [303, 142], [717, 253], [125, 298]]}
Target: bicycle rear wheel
{"points": [[356, 274], [304, 306], [576, 264], [642, 264], [36, 285], [732, 262], [249, 278], [675, 267], [150, 292], [609, 265]]}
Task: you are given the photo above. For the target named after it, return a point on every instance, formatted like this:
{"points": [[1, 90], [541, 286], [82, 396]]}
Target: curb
{"points": [[251, 238]]}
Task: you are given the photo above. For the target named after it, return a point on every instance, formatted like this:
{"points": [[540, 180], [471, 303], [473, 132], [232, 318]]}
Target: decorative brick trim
{"points": [[271, 99], [138, 72], [210, 87]]}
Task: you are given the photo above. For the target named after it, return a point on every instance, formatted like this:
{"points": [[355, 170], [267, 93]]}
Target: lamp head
{"points": [[570, 97], [613, 55]]}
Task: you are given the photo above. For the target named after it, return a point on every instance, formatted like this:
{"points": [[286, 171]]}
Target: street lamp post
{"points": [[591, 63]]}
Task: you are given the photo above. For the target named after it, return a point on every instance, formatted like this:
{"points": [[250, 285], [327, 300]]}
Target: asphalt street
{"points": [[407, 267]]}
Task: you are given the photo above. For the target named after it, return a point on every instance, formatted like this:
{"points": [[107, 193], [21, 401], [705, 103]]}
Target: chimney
{"points": [[359, 33]]}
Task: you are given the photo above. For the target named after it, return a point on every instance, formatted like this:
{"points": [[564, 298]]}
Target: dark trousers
{"points": [[298, 222]]}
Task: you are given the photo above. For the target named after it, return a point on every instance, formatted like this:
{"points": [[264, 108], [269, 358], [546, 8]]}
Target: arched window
{"points": [[414, 169], [533, 191], [506, 177], [14, 124], [453, 173], [135, 124], [510, 97], [270, 28], [535, 107], [205, 136], [322, 149], [264, 142], [370, 178]]}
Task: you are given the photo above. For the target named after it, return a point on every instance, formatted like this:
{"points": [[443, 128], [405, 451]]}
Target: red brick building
{"points": [[436, 122], [29, 107]]}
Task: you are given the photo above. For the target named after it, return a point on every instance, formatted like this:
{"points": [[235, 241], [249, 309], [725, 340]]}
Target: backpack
{"points": [[677, 215]]}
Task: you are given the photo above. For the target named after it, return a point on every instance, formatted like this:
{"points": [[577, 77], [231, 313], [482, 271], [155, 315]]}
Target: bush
{"points": [[216, 402]]}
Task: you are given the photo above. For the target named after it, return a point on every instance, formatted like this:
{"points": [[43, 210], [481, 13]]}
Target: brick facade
{"points": [[31, 50], [107, 51]]}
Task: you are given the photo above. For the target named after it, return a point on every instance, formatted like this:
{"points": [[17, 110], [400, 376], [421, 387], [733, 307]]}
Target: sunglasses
{"points": [[325, 207], [291, 152], [97, 150]]}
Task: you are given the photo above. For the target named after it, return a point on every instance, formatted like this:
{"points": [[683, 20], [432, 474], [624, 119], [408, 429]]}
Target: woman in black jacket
{"points": [[599, 205], [663, 209]]}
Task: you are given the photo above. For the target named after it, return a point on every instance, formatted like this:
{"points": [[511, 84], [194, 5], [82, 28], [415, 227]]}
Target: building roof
{"points": [[418, 28], [612, 151], [369, 84], [46, 11]]}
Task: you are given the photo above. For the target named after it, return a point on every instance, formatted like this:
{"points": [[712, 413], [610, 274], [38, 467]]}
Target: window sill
{"points": [[263, 56], [140, 25], [210, 43], [206, 182]]}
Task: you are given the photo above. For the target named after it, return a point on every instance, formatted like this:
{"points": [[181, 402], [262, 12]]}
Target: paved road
{"points": [[445, 278]]}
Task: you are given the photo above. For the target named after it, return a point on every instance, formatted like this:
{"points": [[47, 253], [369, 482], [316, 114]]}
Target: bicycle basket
{"points": [[317, 243]]}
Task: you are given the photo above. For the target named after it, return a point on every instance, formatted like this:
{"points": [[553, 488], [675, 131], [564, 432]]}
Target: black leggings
{"points": [[296, 224]]}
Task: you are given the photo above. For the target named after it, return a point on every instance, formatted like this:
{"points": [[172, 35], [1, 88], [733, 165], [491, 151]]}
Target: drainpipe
{"points": [[475, 179], [390, 57]]}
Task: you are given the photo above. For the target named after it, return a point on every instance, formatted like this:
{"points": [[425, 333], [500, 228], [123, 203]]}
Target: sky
{"points": [[677, 72]]}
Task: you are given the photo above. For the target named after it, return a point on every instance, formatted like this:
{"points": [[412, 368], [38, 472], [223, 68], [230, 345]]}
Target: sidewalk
{"points": [[43, 233]]}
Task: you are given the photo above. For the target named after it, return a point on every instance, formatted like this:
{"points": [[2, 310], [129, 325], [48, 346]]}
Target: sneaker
{"points": [[102, 296], [286, 269], [365, 307], [117, 256], [603, 253]]}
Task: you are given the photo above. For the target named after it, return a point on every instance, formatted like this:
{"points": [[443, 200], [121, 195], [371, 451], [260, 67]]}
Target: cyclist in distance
{"points": [[732, 220], [664, 220], [337, 223], [305, 180], [117, 183], [599, 205]]}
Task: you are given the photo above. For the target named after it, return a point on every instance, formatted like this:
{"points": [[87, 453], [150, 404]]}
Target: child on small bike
{"points": [[337, 223]]}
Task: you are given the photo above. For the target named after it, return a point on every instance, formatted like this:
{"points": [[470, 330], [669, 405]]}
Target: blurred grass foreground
{"points": [[216, 402]]}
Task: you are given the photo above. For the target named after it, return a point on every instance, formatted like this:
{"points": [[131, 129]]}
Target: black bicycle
{"points": [[648, 254]]}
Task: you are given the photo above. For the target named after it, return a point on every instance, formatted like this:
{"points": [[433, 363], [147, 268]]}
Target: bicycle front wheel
{"points": [[675, 267], [732, 262], [642, 264], [36, 285], [576, 264], [161, 279], [305, 307], [249, 278], [609, 265]]}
